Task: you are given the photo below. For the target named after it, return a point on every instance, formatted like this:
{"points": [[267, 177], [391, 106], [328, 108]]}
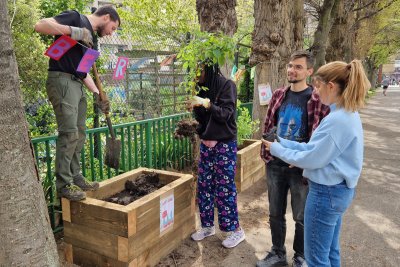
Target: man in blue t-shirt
{"points": [[66, 93], [295, 111]]}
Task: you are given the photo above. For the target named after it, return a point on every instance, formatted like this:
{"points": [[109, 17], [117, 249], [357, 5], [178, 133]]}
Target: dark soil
{"points": [[186, 128], [143, 185]]}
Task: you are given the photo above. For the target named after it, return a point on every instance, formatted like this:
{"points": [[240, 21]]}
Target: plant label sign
{"points": [[166, 212], [265, 93]]}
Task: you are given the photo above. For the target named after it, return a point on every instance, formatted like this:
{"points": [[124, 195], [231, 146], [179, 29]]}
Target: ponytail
{"points": [[353, 96], [351, 79]]}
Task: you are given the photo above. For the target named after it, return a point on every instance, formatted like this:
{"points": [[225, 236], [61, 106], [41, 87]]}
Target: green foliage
{"points": [[245, 125], [205, 48], [386, 27], [32, 65], [154, 24], [244, 12]]}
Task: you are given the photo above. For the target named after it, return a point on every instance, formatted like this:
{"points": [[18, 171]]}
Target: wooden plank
{"points": [[66, 209], [123, 249], [87, 258], [103, 243], [68, 253], [260, 174], [148, 209], [166, 244], [131, 223], [114, 185], [103, 216], [149, 237]]}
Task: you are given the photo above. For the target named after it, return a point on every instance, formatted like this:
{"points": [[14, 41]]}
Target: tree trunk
{"points": [[217, 16], [26, 238], [340, 37], [278, 31], [321, 34]]}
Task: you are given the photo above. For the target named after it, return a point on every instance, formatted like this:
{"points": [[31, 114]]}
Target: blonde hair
{"points": [[351, 79]]}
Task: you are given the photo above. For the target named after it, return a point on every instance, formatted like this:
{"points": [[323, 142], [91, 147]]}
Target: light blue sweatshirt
{"points": [[334, 152]]}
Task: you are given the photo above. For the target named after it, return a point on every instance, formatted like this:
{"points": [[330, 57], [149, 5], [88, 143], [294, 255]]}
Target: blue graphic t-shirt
{"points": [[292, 122]]}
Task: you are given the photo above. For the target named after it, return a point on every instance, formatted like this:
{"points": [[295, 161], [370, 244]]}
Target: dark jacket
{"points": [[218, 122]]}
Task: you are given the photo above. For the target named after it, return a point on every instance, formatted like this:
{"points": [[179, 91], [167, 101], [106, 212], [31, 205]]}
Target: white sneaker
{"points": [[203, 233], [234, 239]]}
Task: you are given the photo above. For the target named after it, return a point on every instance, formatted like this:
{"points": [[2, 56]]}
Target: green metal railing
{"points": [[147, 143]]}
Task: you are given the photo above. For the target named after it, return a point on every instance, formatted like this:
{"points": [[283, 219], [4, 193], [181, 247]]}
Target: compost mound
{"points": [[143, 185], [186, 128]]}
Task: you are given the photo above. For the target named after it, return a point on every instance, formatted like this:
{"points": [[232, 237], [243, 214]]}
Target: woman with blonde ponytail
{"points": [[332, 159]]}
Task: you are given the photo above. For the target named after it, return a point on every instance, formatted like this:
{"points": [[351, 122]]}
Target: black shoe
{"points": [[72, 192], [84, 184], [273, 259], [299, 261]]}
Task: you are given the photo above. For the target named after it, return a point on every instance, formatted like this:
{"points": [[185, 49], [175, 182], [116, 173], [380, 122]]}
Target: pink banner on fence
{"points": [[60, 47], [87, 61], [120, 69]]}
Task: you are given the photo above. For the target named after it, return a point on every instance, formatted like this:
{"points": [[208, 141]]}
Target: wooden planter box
{"points": [[100, 233], [249, 167]]}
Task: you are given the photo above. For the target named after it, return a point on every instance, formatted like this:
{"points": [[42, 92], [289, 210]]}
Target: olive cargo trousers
{"points": [[68, 98]]}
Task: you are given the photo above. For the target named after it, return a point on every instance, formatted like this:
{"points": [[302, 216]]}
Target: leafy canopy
{"points": [[154, 24], [204, 48]]}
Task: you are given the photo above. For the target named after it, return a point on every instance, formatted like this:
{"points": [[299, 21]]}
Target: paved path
{"points": [[371, 228]]}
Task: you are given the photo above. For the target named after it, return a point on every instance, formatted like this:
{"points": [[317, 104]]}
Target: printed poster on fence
{"points": [[265, 93], [166, 212]]}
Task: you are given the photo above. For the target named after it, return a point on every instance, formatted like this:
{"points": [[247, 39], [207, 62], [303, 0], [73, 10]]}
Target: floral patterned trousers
{"points": [[216, 184]]}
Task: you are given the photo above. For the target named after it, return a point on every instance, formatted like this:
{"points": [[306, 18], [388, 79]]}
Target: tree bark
{"points": [[278, 31], [217, 16], [321, 34], [26, 238], [340, 36]]}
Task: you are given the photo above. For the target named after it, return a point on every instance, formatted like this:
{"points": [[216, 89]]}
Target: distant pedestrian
{"points": [[385, 85], [332, 160]]}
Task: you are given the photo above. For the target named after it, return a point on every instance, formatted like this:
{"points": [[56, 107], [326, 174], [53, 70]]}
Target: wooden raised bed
{"points": [[100, 233], [249, 167]]}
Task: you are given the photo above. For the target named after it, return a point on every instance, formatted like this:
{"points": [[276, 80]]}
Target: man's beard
{"points": [[100, 31], [293, 81]]}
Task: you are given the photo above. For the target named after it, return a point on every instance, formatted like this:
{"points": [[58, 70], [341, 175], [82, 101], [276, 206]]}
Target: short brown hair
{"points": [[303, 53], [108, 10]]}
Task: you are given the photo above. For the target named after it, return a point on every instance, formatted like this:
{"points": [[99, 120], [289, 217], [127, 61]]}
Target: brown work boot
{"points": [[72, 192], [84, 184]]}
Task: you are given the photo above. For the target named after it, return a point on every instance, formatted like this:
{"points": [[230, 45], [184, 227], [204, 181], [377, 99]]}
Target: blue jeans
{"points": [[281, 179], [323, 213]]}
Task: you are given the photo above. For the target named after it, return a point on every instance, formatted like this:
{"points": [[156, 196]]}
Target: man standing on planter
{"points": [[65, 91], [295, 111]]}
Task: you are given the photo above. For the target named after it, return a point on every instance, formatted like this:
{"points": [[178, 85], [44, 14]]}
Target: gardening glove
{"points": [[198, 101], [103, 103], [82, 34]]}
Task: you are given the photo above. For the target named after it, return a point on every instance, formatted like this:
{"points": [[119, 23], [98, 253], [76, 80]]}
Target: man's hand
{"points": [[82, 34], [103, 103]]}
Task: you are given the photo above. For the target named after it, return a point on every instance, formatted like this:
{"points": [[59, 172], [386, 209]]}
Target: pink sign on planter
{"points": [[88, 59], [60, 47], [120, 69]]}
